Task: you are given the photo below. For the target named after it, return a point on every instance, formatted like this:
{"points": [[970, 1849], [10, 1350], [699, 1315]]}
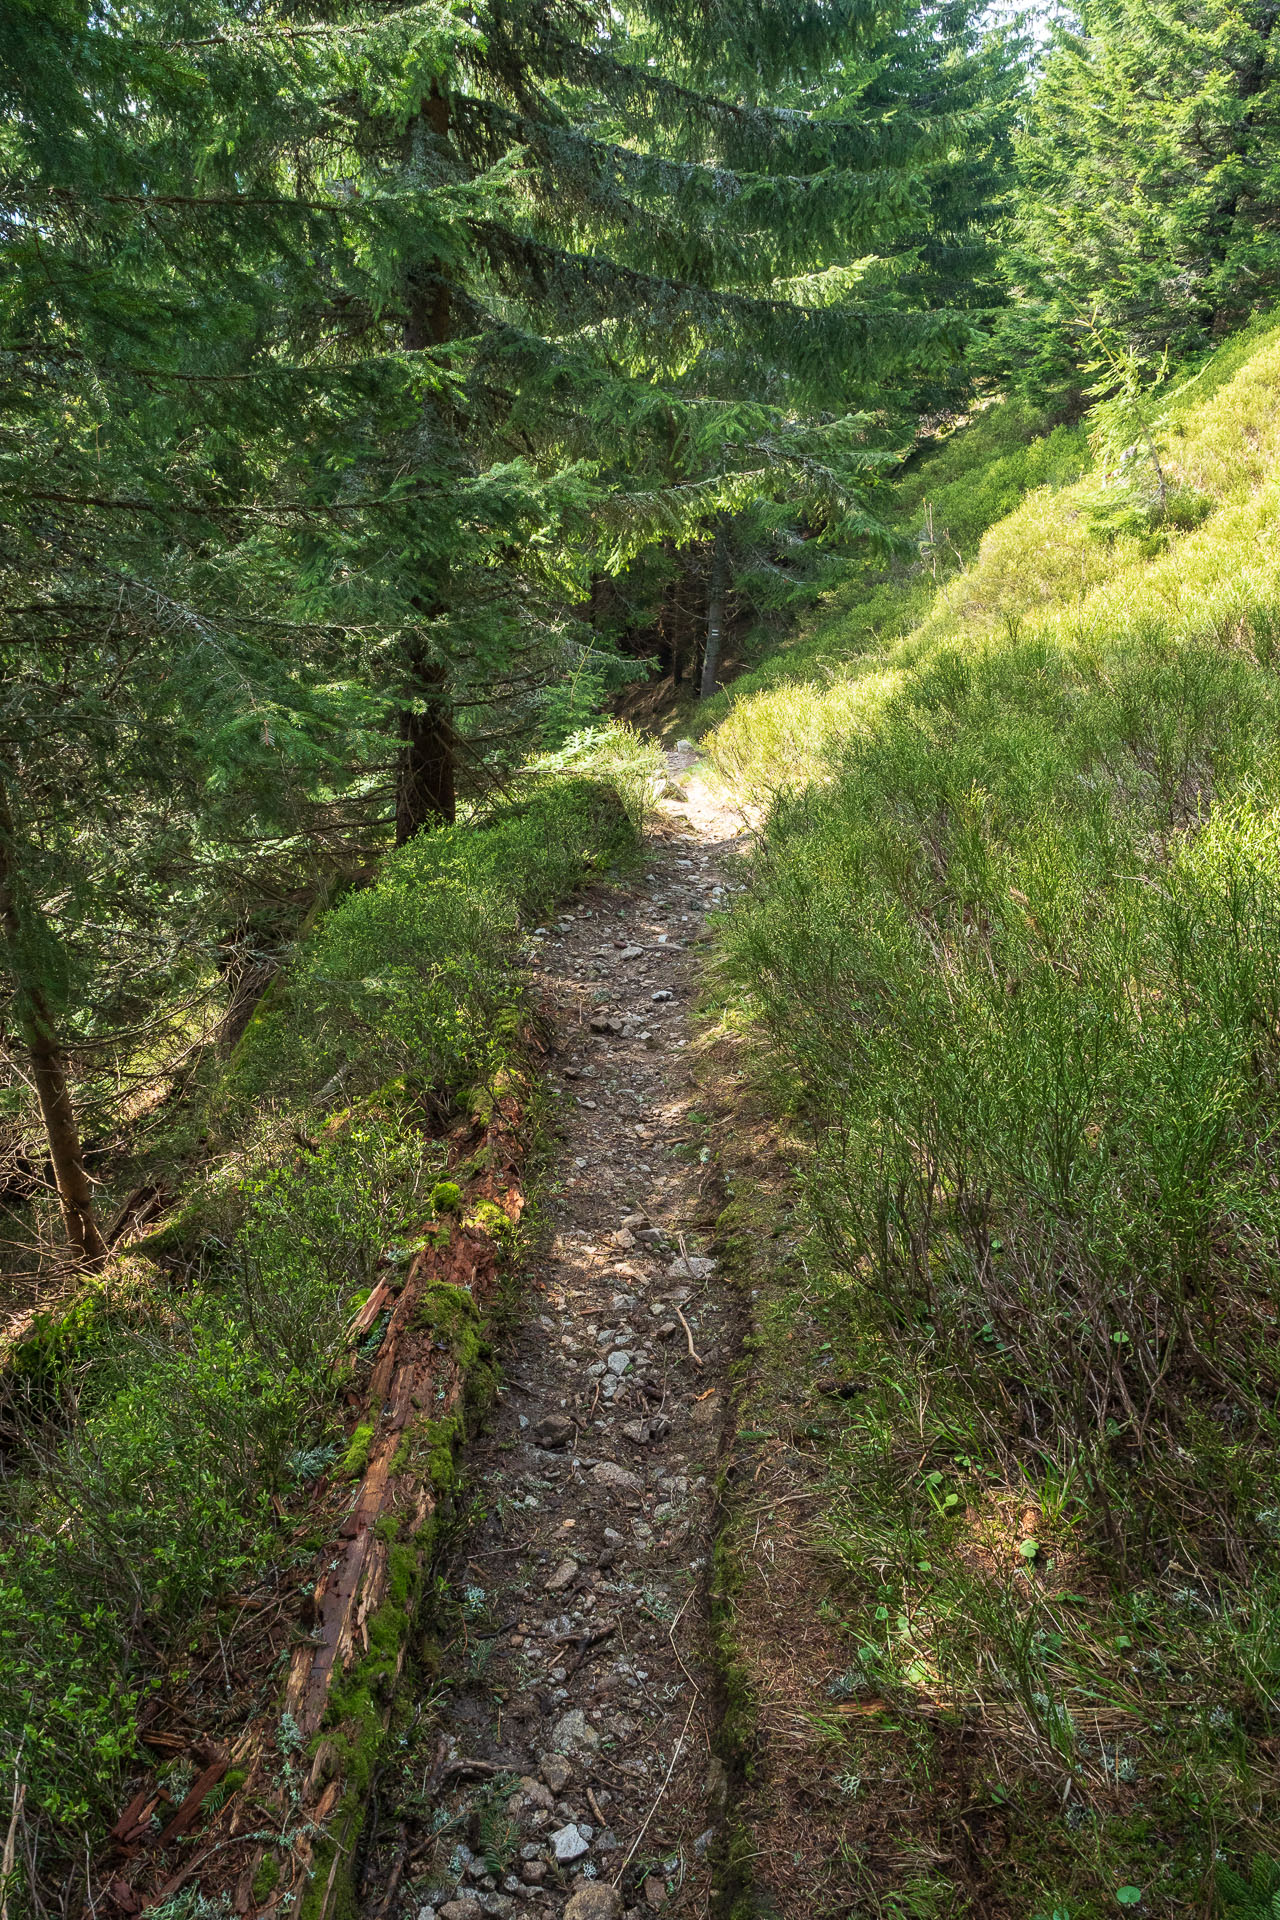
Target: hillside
{"points": [[998, 1615]]}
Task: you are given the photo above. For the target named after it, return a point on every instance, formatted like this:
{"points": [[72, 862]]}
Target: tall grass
{"points": [[1013, 948]]}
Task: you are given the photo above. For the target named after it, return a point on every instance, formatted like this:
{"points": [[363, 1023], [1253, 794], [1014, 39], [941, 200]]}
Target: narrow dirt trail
{"points": [[564, 1762]]}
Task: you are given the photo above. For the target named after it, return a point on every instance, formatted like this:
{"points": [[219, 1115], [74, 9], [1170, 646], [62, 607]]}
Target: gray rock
{"points": [[572, 1733], [553, 1430], [619, 1361], [595, 1902], [570, 1843], [555, 1769], [609, 1474], [563, 1577], [693, 1266]]}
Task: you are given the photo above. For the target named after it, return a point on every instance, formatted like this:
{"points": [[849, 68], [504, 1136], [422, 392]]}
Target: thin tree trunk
{"points": [[48, 1063], [715, 611], [425, 778]]}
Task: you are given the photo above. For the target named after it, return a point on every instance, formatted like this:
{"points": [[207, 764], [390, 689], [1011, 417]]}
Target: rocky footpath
{"points": [[561, 1762]]}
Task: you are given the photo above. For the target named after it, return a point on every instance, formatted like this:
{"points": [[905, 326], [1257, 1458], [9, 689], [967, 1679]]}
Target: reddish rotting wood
{"points": [[414, 1378]]}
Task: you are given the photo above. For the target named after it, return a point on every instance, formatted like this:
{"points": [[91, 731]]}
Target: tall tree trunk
{"points": [[425, 776], [715, 611], [48, 1063], [425, 795], [427, 317]]}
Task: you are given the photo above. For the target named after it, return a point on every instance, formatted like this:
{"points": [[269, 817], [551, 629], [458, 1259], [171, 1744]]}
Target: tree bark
{"points": [[427, 319], [425, 776], [425, 795], [715, 611], [48, 1062]]}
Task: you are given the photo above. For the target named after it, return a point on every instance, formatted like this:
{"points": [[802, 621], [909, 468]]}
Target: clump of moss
{"points": [[446, 1197], [453, 1316], [267, 1878], [490, 1219], [356, 1457]]}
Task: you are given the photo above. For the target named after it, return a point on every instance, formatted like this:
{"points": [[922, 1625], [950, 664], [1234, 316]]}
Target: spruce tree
{"points": [[1149, 182], [656, 296], [150, 697]]}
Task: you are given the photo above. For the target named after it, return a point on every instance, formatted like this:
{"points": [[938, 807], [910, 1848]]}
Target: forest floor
{"points": [[559, 1761]]}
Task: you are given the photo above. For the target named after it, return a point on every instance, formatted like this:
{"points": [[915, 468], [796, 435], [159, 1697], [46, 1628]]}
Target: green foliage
{"points": [[1009, 956], [412, 977], [1258, 1897], [778, 723], [1128, 434], [1147, 183], [222, 1390], [311, 1233], [203, 1398], [625, 760]]}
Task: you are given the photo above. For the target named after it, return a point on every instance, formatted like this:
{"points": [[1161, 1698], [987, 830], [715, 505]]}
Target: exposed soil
{"points": [[562, 1763]]}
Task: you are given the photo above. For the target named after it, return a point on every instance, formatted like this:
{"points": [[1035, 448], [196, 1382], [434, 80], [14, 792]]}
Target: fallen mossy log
{"points": [[271, 1822]]}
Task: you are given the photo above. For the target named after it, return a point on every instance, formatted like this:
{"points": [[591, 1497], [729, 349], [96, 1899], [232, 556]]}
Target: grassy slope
{"points": [[1012, 965]]}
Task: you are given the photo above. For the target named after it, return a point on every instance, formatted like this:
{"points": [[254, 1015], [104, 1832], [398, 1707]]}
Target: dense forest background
{"points": [[386, 387]]}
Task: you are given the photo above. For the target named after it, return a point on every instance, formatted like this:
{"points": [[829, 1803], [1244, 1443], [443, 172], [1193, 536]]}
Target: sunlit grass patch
{"points": [[1012, 952]]}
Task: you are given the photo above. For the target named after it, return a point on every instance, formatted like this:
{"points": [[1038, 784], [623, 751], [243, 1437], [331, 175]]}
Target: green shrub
{"points": [[151, 1427], [412, 977], [628, 762], [311, 1235], [1012, 952]]}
